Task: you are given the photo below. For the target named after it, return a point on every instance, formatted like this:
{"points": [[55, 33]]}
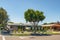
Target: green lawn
{"points": [[28, 33]]}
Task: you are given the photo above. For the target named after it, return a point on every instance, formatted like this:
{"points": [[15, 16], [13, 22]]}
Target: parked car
{"points": [[4, 31]]}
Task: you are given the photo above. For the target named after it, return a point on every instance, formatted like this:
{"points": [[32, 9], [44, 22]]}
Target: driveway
{"points": [[0, 37], [52, 37]]}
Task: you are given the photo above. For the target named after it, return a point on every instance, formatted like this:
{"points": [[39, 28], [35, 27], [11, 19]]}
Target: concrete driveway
{"points": [[52, 37], [0, 37]]}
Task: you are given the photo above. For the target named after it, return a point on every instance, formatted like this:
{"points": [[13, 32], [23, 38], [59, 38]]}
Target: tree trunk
{"points": [[34, 28]]}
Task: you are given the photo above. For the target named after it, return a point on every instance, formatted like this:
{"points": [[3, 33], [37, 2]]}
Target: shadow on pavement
{"points": [[40, 34], [5, 33]]}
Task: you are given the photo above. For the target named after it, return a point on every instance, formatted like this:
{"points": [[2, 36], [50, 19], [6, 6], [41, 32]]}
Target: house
{"points": [[24, 26], [14, 26], [53, 26], [50, 26]]}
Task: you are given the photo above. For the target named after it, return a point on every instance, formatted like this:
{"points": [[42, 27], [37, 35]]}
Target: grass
{"points": [[29, 33], [53, 33], [21, 34]]}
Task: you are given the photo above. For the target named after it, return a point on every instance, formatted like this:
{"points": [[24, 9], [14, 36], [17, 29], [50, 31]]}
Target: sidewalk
{"points": [[52, 37], [0, 37]]}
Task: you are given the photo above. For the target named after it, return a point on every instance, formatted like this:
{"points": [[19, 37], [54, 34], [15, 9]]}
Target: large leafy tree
{"points": [[3, 17], [34, 17]]}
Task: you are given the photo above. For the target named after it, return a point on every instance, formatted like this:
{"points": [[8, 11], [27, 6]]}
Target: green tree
{"points": [[34, 17], [45, 23], [11, 22], [3, 17]]}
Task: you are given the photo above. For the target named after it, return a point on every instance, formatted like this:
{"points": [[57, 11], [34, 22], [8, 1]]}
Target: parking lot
{"points": [[52, 37]]}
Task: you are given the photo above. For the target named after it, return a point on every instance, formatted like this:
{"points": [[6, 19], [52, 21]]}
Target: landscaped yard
{"points": [[29, 33]]}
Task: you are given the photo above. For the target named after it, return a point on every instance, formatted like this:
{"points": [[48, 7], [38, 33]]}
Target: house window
{"points": [[11, 27]]}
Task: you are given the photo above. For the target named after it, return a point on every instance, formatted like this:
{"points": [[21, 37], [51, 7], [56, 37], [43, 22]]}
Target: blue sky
{"points": [[16, 9]]}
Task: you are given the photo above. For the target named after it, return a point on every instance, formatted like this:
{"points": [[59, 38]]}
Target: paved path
{"points": [[0, 37], [52, 37]]}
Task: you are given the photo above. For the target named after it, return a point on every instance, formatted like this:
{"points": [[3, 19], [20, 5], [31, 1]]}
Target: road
{"points": [[52, 37]]}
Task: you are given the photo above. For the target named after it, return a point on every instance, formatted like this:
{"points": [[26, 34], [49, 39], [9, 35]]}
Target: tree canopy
{"points": [[3, 16], [33, 16]]}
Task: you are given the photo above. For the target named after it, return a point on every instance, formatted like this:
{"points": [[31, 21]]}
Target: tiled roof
{"points": [[56, 25]]}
